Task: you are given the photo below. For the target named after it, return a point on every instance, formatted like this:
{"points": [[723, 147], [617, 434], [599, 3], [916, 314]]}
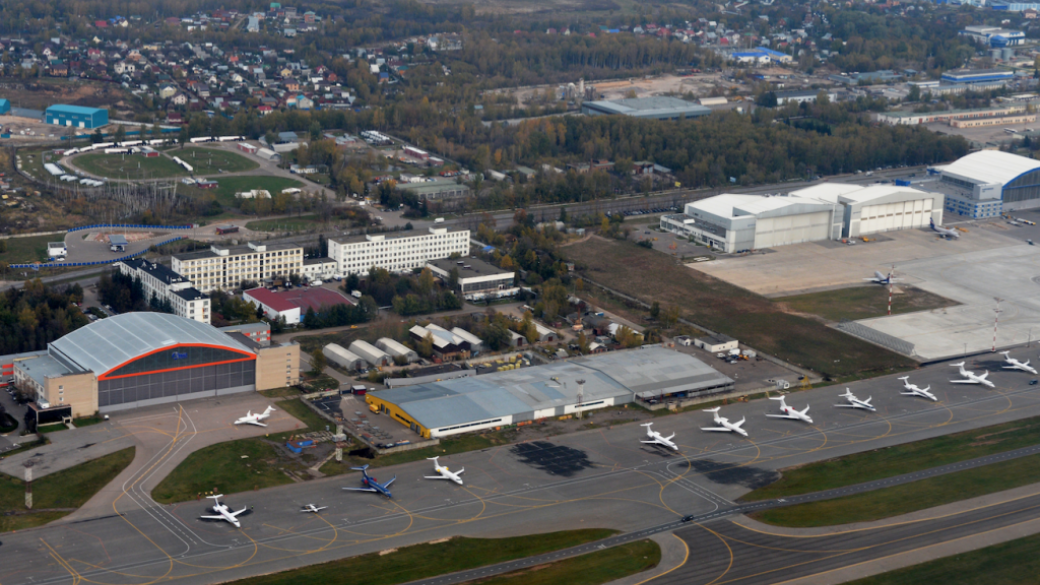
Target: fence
{"points": [[37, 266], [128, 226]]}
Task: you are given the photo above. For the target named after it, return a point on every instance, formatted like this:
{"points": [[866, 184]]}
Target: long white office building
{"points": [[225, 267], [166, 285], [357, 254]]}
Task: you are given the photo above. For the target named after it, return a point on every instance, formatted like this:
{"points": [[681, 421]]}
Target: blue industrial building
{"points": [[76, 116], [5, 106], [976, 76]]}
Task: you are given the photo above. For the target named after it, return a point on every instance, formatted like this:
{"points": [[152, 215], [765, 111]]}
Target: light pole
{"points": [[996, 321]]}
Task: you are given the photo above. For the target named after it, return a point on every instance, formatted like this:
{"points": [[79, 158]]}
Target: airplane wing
{"points": [[963, 382], [257, 423], [240, 512], [717, 429], [654, 442], [435, 477], [738, 423], [213, 517], [781, 416], [387, 484], [362, 489]]}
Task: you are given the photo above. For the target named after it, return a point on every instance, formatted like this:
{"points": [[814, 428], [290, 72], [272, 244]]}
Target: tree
{"points": [[318, 361], [628, 338], [425, 347], [766, 99], [914, 95], [182, 136], [120, 134], [352, 283], [655, 310]]}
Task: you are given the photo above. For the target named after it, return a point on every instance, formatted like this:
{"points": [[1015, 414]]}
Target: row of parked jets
{"points": [[723, 425]]}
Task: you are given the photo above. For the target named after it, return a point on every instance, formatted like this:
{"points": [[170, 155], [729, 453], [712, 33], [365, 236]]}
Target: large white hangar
{"points": [[450, 407], [989, 182], [828, 211]]}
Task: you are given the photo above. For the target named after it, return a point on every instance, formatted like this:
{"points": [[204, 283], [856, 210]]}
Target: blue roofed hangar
{"points": [[76, 116]]}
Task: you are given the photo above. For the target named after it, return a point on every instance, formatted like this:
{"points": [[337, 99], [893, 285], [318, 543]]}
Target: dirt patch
{"points": [[130, 236], [997, 433]]}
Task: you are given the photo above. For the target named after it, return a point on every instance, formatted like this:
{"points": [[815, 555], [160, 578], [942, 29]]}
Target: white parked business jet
{"points": [[1013, 364], [856, 402], [657, 439], [971, 377], [311, 508], [444, 472], [224, 513], [944, 232], [724, 425], [789, 412], [254, 419], [913, 390], [881, 278]]}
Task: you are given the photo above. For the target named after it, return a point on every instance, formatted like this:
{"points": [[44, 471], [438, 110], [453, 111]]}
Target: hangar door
{"points": [[903, 215], [792, 229]]}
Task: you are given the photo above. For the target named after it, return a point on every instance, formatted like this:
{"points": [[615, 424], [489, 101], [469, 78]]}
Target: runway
{"points": [[602, 477]]}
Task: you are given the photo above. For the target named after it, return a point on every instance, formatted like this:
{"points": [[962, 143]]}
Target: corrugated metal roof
{"points": [[991, 166], [107, 343]]}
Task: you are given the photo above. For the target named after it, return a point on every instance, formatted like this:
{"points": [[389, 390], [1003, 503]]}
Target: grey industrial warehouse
{"points": [[139, 359], [657, 108], [828, 211], [450, 407]]}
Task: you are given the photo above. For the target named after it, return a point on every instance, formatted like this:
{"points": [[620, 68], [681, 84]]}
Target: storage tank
{"points": [[342, 357], [1007, 53]]}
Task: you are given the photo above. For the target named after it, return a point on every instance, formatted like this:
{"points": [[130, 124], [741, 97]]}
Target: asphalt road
{"points": [[602, 477]]}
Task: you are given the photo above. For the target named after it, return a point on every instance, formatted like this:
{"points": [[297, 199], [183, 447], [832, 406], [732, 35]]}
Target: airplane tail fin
{"points": [[363, 468], [780, 398], [649, 424], [716, 409], [215, 497], [1006, 354], [903, 378], [931, 222], [434, 459]]}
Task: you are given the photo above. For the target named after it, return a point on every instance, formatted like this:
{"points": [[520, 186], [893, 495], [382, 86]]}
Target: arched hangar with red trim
{"points": [[151, 358]]}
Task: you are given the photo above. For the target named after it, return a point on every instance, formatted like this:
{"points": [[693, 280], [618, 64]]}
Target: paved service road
{"points": [[602, 477]]}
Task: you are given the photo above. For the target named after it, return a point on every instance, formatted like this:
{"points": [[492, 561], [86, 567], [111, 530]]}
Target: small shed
{"points": [[370, 353], [517, 340], [716, 343], [342, 357], [117, 242]]}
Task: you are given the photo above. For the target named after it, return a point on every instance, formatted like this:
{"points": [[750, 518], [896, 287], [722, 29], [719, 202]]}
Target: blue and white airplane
{"points": [[371, 484], [882, 278], [944, 232]]}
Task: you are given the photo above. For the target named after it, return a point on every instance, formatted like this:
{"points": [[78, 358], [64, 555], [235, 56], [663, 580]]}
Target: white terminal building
{"points": [[357, 254], [166, 285], [226, 267], [988, 182], [828, 211]]}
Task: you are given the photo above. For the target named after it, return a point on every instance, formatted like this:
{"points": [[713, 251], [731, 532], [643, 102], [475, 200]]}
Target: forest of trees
{"points": [[36, 314]]}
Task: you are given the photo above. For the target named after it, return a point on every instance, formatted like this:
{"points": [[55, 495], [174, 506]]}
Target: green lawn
{"points": [[285, 224], [70, 488], [589, 569], [128, 166], [208, 160], [30, 249], [228, 186], [864, 302], [422, 561], [911, 497], [1011, 563], [900, 459]]}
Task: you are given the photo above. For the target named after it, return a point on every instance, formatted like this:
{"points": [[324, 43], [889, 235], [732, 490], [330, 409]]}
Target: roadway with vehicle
{"points": [[603, 477]]}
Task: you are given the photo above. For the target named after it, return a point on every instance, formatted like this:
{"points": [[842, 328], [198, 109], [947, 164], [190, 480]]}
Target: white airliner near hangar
{"points": [[444, 472], [854, 402], [657, 439], [724, 425], [254, 419], [312, 509], [224, 513], [913, 390], [971, 378], [944, 232], [882, 278], [1013, 364], [789, 412]]}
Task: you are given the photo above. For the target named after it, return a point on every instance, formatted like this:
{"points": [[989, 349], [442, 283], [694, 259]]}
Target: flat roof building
{"points": [[166, 286], [397, 252], [976, 75], [476, 279], [439, 409], [226, 267], [655, 108], [292, 304], [76, 116]]}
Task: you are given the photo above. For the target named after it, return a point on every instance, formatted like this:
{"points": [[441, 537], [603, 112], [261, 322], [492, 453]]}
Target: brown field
{"points": [[751, 318]]}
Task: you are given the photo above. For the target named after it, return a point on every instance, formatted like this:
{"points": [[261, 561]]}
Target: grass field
{"points": [[719, 306], [30, 249], [128, 166], [286, 224], [900, 459], [228, 186], [1010, 563], [430, 560], [863, 302], [208, 160], [589, 569], [911, 497], [70, 489]]}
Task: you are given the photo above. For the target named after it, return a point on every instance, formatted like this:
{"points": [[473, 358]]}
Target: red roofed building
{"points": [[293, 304]]}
